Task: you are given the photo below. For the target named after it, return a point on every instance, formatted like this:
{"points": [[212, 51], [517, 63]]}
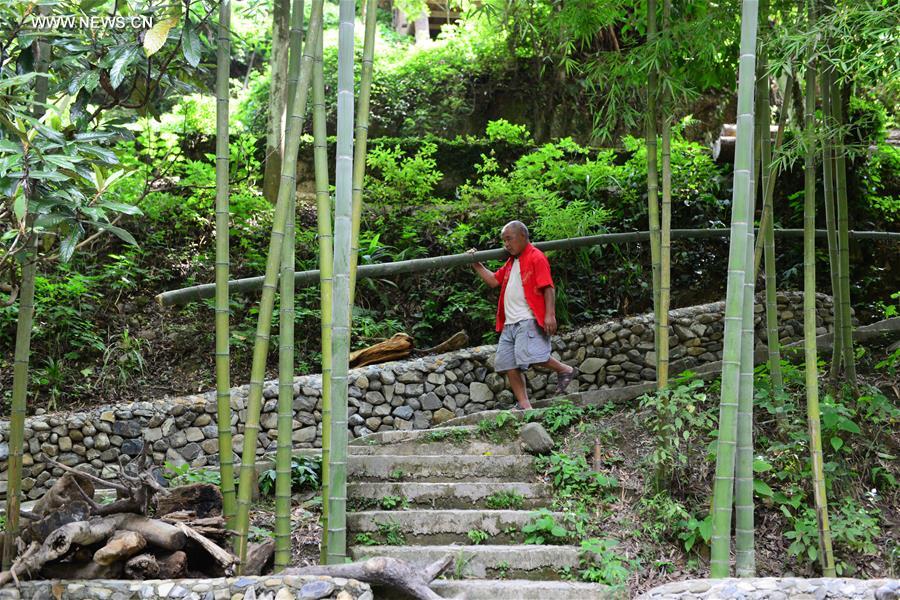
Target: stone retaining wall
{"points": [[412, 394], [273, 587], [774, 588]]}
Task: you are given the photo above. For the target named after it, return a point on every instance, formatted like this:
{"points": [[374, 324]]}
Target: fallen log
{"points": [[172, 565], [58, 544], [142, 566], [201, 499], [225, 559], [120, 547], [400, 575], [71, 487], [156, 532], [455, 342], [258, 555], [398, 346]]}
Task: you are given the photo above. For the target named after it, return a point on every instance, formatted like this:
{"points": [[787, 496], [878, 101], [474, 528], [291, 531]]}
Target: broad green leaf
{"points": [[837, 443], [191, 46], [156, 36], [120, 66], [20, 205], [762, 488], [706, 529], [558, 531], [761, 466], [10, 146], [68, 244], [848, 425], [118, 232], [128, 209], [812, 552]]}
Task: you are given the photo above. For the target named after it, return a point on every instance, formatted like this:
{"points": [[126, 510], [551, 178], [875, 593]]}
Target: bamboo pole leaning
{"points": [[286, 192], [223, 265], [362, 136], [734, 301], [325, 274], [337, 498], [285, 407], [421, 265], [826, 557]]}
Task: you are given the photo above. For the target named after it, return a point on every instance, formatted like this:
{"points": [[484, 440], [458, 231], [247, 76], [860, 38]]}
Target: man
{"points": [[526, 312]]}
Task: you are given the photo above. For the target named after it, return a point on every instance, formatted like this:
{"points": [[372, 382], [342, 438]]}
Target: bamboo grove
{"points": [[817, 120]]}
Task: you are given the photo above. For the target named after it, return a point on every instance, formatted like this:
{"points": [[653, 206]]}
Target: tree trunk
{"points": [[734, 302], [337, 498], [281, 19], [286, 193], [223, 353]]}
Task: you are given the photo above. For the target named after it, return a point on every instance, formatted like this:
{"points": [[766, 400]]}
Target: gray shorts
{"points": [[521, 345]]}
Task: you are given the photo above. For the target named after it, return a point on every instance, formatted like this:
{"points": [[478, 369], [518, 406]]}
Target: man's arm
{"points": [[550, 312], [486, 275]]}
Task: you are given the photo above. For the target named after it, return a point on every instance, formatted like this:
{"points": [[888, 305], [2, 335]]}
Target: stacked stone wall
{"points": [[412, 394]]}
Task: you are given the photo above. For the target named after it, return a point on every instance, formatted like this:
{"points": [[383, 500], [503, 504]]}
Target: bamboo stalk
{"points": [[843, 239], [420, 265], [652, 177], [326, 273], [277, 98], [286, 192], [734, 300], [337, 499], [826, 557], [766, 218], [665, 241], [21, 357], [285, 399], [767, 227], [834, 258], [362, 136], [284, 445], [223, 265]]}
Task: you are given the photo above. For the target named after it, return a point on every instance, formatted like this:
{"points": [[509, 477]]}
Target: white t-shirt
{"points": [[515, 307]]}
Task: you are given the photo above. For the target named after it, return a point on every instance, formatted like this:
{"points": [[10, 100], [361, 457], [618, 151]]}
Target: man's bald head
{"points": [[517, 226], [515, 237]]}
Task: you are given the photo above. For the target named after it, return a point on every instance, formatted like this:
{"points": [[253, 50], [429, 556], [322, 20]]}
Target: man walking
{"points": [[526, 312]]}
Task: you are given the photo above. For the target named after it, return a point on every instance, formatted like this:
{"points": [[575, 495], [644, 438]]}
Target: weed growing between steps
{"points": [[388, 502], [635, 480], [505, 500]]}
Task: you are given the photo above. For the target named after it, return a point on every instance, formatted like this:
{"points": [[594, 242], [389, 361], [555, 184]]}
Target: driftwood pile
{"points": [[68, 535]]}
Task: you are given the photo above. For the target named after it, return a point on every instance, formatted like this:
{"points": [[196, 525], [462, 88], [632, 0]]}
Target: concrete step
{"points": [[487, 589], [451, 495], [430, 527], [515, 561], [381, 467], [486, 415], [436, 444]]}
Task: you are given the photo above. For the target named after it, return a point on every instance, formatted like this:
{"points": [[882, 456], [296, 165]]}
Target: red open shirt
{"points": [[535, 270]]}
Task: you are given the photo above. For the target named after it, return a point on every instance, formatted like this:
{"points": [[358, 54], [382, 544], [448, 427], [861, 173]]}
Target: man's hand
{"points": [[471, 252], [550, 324]]}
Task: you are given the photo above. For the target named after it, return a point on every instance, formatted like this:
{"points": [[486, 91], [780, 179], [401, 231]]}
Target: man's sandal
{"points": [[565, 379]]}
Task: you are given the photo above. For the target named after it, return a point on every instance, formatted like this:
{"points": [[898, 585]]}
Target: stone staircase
{"points": [[439, 481]]}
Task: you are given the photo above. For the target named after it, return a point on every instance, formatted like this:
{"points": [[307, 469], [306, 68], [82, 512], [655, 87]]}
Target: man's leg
{"points": [[517, 383], [557, 366]]}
